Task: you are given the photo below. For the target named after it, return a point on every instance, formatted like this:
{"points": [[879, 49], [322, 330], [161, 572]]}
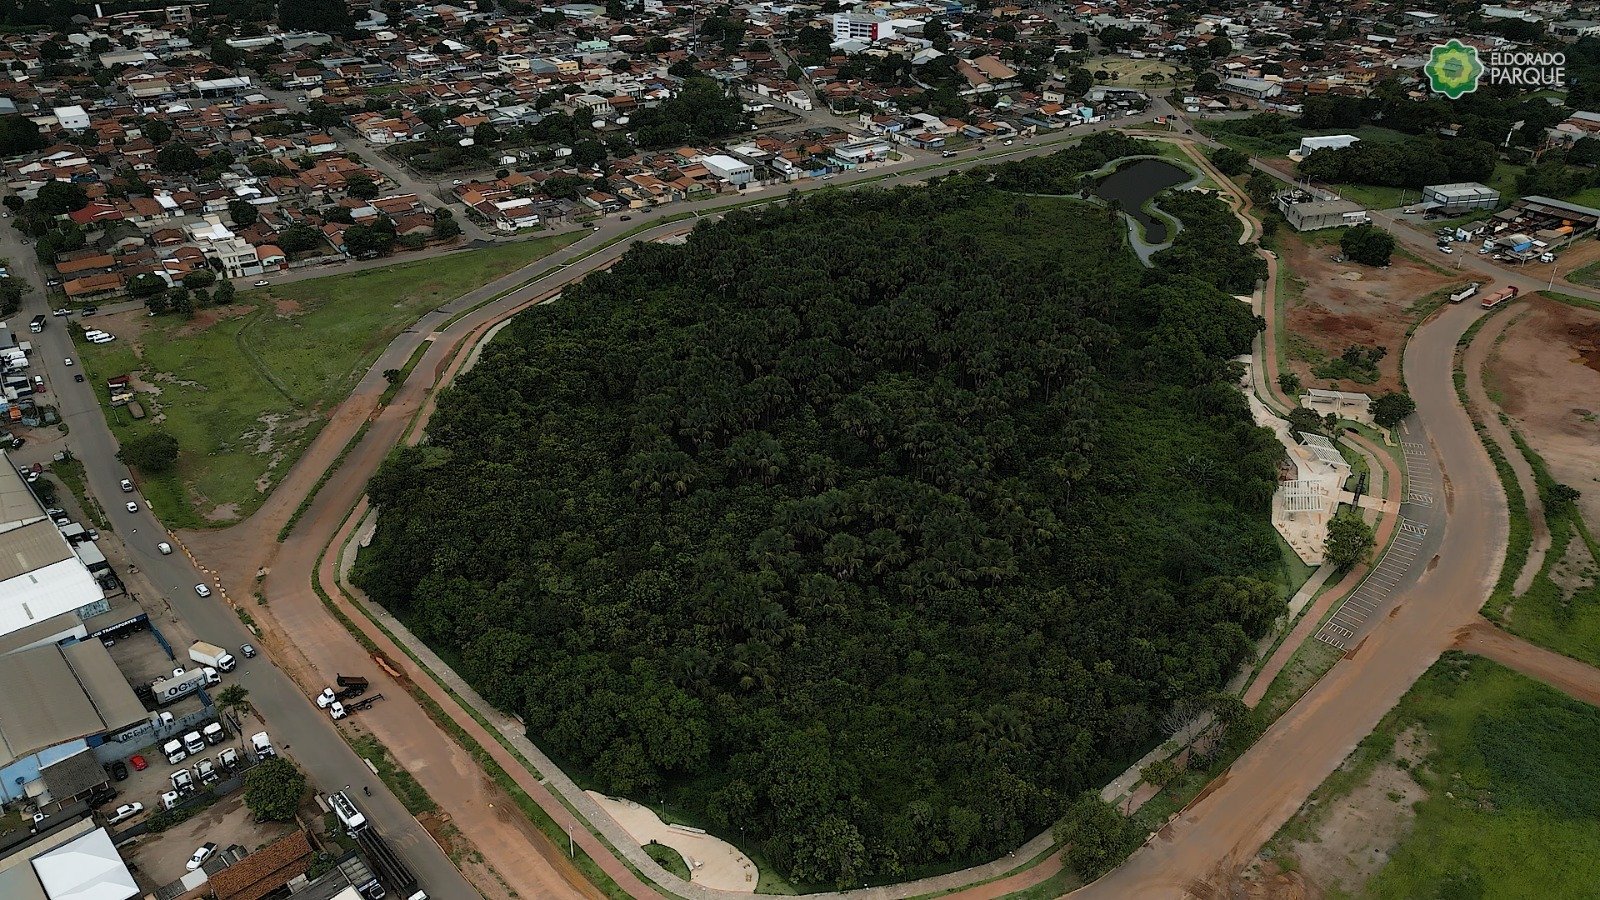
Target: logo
{"points": [[1453, 69]]}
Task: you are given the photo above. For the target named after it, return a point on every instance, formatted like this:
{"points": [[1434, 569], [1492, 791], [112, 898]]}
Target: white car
{"points": [[1443, 248], [125, 812], [200, 856], [336, 709], [165, 548], [127, 486], [69, 360], [132, 506], [263, 283], [202, 590]]}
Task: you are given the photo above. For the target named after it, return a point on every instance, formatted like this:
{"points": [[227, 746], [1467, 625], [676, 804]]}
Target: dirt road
{"points": [[1577, 680], [1474, 362]]}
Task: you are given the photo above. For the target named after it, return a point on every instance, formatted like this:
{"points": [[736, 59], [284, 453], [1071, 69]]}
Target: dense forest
{"points": [[873, 527]]}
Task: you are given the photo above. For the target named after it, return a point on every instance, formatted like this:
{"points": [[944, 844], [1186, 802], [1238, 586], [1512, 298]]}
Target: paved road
{"points": [[294, 722]]}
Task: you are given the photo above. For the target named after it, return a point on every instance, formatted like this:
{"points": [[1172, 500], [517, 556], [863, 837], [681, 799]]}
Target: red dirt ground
{"points": [[1330, 306], [1546, 374]]}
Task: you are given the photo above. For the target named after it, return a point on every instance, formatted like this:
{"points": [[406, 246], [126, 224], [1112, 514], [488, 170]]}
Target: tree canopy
{"points": [[1367, 245], [878, 525], [701, 111]]}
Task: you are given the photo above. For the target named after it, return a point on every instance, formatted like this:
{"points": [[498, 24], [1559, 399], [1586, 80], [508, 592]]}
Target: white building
{"points": [[41, 579], [72, 118], [237, 256], [734, 171], [854, 26], [1309, 145]]}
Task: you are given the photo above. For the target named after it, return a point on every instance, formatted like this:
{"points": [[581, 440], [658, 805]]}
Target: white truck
{"points": [[211, 655]]}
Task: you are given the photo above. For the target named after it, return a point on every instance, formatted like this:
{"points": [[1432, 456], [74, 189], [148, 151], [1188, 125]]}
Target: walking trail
{"points": [[1578, 680], [1474, 363]]}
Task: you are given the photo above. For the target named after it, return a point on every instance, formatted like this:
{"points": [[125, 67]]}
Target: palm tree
{"points": [[235, 700]]}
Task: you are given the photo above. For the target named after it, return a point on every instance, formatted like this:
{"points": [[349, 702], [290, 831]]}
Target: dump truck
{"points": [[350, 686], [211, 655], [1499, 297]]}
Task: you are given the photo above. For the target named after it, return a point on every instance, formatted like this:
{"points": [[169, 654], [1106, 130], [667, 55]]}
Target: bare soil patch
{"points": [[286, 307], [205, 318], [1353, 838], [1329, 306], [1546, 376]]}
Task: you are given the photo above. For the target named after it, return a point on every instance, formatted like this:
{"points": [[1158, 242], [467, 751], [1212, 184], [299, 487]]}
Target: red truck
{"points": [[1499, 297]]}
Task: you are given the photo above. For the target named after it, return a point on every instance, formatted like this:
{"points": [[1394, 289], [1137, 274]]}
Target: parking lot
{"points": [[159, 858]]}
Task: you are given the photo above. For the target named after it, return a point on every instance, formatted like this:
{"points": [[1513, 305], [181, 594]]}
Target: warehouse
{"points": [[1312, 215], [1545, 213], [734, 171], [1310, 145], [1460, 197]]}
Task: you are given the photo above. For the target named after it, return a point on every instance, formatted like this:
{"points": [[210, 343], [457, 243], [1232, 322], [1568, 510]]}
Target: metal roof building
{"points": [[41, 577], [1460, 196], [54, 695]]}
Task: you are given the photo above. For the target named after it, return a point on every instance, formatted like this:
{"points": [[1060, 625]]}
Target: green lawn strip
{"points": [[404, 372], [1581, 302], [1544, 614], [305, 504], [1504, 788], [242, 422], [668, 858], [1057, 885], [70, 473], [401, 782]]}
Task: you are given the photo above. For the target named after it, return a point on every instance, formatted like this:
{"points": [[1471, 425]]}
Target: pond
{"points": [[1136, 181]]}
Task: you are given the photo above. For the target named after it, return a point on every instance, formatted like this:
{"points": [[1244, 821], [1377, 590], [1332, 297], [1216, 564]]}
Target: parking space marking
{"points": [[1377, 587]]}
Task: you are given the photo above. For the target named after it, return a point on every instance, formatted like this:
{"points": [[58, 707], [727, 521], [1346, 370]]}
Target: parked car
{"points": [[89, 310], [200, 856], [1446, 248], [138, 763], [77, 376], [247, 651], [63, 311], [132, 506], [69, 360], [626, 219], [262, 283], [125, 812], [118, 770], [165, 548], [202, 590], [127, 486]]}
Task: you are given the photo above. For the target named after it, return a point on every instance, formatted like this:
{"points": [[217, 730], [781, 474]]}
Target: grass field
{"points": [[1130, 72], [245, 394], [670, 859], [1512, 800]]}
